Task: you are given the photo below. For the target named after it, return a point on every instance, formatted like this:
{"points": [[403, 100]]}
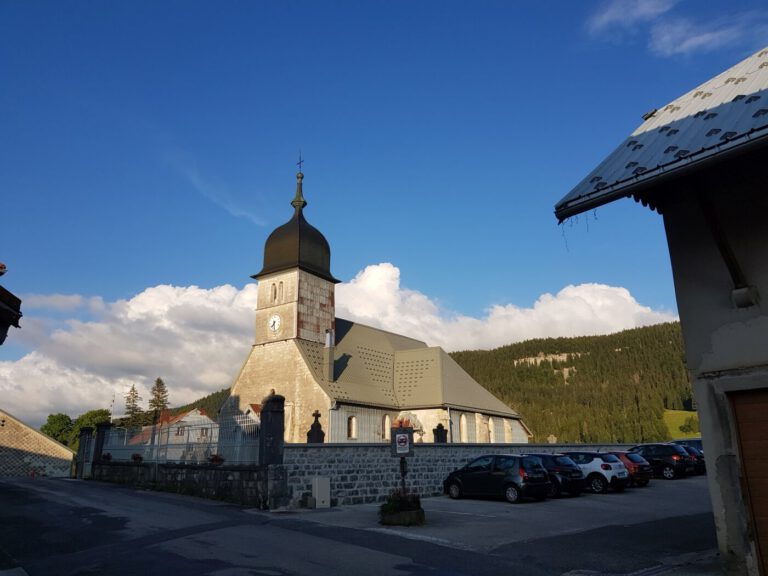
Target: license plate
{"points": [[622, 474]]}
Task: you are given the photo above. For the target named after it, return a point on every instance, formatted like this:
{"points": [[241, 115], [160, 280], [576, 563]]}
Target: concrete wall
{"points": [[363, 473], [24, 451], [726, 346]]}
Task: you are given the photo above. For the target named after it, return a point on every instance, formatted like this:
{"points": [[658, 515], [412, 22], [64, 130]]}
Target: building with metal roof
{"points": [[700, 162], [359, 379], [725, 116]]}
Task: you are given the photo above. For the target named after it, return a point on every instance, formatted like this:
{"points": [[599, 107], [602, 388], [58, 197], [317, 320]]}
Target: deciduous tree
{"points": [[89, 420], [59, 427]]}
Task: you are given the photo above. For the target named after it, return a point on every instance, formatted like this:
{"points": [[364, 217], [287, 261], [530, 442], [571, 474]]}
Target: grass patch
{"points": [[674, 419]]}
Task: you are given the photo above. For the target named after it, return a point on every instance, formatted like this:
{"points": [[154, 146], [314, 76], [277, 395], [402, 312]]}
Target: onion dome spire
{"points": [[298, 202], [297, 244]]}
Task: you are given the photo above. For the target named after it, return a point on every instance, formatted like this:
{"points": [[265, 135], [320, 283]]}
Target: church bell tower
{"points": [[296, 288]]}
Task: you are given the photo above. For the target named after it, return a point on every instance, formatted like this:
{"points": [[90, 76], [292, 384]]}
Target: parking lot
{"points": [[669, 521], [54, 527]]}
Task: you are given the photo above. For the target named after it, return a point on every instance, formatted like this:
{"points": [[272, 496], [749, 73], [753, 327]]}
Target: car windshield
{"points": [[609, 458], [564, 461], [632, 457]]}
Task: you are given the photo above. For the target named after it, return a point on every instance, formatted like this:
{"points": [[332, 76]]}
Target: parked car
{"points": [[601, 470], [668, 460], [564, 474], [699, 464], [640, 471], [695, 442], [512, 476]]}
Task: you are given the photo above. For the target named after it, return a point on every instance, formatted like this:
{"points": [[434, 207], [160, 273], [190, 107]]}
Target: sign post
{"points": [[402, 446]]}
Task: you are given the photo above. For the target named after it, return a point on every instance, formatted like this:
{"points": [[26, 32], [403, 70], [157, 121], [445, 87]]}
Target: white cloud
{"points": [[670, 34], [218, 194], [626, 14], [375, 297], [197, 339], [681, 36], [56, 301]]}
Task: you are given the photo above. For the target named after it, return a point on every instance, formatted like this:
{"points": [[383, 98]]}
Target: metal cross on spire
{"points": [[300, 163]]}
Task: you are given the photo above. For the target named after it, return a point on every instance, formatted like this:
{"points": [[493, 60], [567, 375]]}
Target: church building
{"points": [[357, 379]]}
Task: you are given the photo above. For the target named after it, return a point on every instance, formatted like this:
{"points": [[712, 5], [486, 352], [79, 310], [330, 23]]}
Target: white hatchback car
{"points": [[601, 470]]}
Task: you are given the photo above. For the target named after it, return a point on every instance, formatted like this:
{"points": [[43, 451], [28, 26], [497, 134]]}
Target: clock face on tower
{"points": [[274, 323]]}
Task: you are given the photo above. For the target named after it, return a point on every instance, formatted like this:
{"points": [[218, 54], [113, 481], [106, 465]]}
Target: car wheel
{"points": [[512, 494], [454, 491], [554, 489], [668, 472], [598, 484]]}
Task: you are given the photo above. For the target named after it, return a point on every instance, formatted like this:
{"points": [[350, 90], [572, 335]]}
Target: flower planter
{"points": [[402, 518]]}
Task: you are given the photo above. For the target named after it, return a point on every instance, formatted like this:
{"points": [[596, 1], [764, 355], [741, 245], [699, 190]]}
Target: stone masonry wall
{"points": [[363, 473], [244, 485], [24, 451]]}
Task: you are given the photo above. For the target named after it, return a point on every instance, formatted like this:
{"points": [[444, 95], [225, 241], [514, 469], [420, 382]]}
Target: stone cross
{"points": [[316, 435]]}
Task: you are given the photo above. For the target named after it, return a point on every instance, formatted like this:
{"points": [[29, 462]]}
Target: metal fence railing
{"points": [[235, 442]]}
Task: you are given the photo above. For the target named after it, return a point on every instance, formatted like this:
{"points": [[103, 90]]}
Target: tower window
{"points": [[280, 292], [274, 292]]}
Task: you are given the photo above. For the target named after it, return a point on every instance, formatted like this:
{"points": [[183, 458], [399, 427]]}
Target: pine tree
{"points": [[159, 400], [132, 409]]}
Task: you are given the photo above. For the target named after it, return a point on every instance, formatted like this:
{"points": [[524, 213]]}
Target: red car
{"points": [[640, 471]]}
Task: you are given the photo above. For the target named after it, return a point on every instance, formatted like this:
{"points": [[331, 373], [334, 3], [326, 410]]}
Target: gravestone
{"points": [[316, 435], [441, 434]]}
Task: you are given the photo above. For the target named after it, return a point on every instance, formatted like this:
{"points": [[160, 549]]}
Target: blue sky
{"points": [[150, 145]]}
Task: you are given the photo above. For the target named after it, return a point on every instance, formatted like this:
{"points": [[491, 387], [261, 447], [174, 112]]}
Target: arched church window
{"points": [[274, 292], [386, 425], [352, 427], [280, 292], [491, 430], [463, 431]]}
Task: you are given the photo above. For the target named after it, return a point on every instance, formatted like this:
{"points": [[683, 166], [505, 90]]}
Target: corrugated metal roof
{"points": [[726, 113]]}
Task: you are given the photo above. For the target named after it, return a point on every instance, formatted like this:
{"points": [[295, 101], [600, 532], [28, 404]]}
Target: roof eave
{"points": [[643, 182]]}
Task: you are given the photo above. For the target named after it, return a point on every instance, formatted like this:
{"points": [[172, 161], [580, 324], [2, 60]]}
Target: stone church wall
{"points": [[364, 473], [280, 367], [24, 451]]}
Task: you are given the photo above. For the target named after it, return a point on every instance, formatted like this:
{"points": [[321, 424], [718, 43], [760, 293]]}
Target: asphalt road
{"points": [[67, 527]]}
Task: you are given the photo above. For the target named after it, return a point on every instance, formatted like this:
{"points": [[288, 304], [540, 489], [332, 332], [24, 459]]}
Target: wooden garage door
{"points": [[751, 410]]}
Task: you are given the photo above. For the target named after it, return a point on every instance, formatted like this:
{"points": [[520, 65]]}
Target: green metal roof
{"points": [[378, 368]]}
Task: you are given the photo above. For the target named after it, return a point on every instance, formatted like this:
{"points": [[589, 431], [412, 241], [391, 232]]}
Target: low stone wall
{"points": [[247, 485], [364, 473]]}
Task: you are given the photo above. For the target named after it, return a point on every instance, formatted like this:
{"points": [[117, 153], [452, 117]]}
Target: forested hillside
{"points": [[611, 388]]}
